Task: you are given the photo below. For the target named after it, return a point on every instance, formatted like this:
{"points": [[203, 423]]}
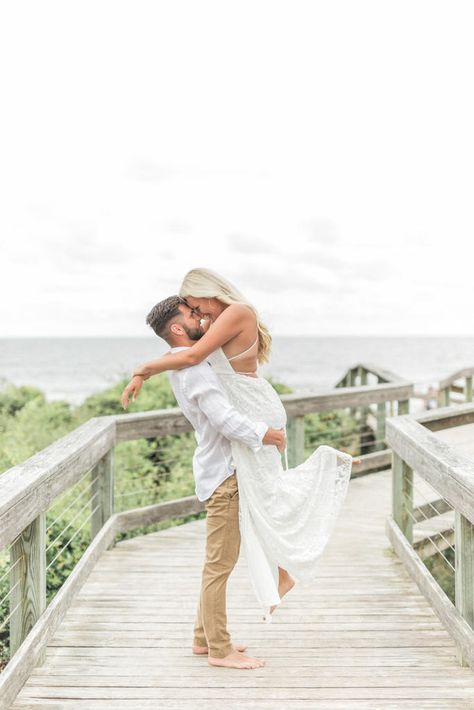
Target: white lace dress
{"points": [[286, 516]]}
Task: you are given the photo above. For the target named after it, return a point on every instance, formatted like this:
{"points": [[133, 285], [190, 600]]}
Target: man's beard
{"points": [[193, 333]]}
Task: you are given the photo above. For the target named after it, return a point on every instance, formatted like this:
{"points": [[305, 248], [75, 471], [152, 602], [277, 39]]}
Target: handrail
{"points": [[415, 449], [296, 405], [458, 375], [447, 470], [362, 369], [27, 490], [447, 386]]}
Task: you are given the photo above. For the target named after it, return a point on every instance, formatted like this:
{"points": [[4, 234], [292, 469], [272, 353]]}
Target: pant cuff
{"points": [[220, 652]]}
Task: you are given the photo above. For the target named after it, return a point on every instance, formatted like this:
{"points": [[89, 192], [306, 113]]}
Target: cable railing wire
{"points": [[5, 621], [86, 505], [63, 512], [73, 536], [11, 568], [12, 589], [428, 537], [430, 518], [69, 490]]}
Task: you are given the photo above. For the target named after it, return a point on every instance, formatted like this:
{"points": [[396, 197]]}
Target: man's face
{"points": [[190, 323]]}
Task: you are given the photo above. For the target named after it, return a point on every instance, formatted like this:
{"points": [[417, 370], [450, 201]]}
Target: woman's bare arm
{"points": [[229, 324]]}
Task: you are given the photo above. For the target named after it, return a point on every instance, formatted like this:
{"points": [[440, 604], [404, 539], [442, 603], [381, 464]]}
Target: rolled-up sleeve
{"points": [[202, 385]]}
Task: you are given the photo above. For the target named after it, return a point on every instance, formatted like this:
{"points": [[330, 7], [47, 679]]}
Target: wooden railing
{"points": [[28, 490], [371, 419], [417, 452], [460, 384], [362, 370]]}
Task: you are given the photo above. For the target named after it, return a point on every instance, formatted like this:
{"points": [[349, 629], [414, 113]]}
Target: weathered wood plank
{"points": [[28, 489], [27, 581], [32, 648], [447, 417], [295, 442], [362, 633], [402, 496], [149, 425], [383, 374], [150, 514], [250, 704], [464, 572], [448, 471], [447, 612], [268, 677], [458, 375], [329, 399], [171, 421], [102, 492], [224, 693]]}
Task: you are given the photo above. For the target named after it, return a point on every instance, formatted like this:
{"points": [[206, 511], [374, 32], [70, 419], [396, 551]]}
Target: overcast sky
{"points": [[320, 155]]}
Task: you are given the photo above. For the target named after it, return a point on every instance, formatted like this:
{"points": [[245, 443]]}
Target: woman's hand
{"points": [[133, 388]]}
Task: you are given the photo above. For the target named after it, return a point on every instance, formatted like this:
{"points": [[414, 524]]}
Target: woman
{"points": [[286, 516]]}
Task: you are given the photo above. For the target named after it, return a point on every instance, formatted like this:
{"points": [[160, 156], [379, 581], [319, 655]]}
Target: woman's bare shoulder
{"points": [[242, 310]]}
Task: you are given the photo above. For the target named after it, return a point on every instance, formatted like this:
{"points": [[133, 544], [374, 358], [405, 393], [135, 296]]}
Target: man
{"points": [[203, 402]]}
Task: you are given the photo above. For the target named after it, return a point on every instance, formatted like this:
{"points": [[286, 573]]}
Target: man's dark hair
{"points": [[162, 314]]}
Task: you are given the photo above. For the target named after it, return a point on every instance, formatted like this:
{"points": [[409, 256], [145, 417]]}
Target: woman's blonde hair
{"points": [[204, 283]]}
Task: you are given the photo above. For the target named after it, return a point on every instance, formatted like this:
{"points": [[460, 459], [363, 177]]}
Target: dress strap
{"points": [[233, 357]]}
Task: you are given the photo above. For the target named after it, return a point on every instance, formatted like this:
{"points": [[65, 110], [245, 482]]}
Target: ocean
{"points": [[73, 368]]}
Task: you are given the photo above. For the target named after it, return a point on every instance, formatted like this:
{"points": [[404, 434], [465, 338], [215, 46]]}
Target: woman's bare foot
{"points": [[204, 650], [236, 660], [285, 583]]}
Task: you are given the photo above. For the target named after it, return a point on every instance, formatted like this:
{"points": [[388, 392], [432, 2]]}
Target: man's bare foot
{"points": [[285, 583], [237, 660], [204, 650]]}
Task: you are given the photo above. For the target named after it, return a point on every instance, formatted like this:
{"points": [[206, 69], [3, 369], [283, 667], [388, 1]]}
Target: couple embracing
{"points": [[283, 516]]}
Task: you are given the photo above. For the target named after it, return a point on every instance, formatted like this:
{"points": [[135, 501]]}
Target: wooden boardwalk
{"points": [[362, 637]]}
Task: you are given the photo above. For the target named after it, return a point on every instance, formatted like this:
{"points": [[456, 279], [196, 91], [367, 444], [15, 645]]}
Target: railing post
{"points": [[403, 406], [295, 443], [102, 495], [27, 581], [468, 389], [444, 397], [352, 380], [402, 496], [464, 572], [363, 410], [380, 430]]}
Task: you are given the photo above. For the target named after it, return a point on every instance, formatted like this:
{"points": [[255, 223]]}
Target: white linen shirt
{"points": [[215, 421]]}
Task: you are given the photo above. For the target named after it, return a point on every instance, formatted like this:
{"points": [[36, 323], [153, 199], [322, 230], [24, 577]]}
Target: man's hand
{"points": [[276, 437], [133, 388]]}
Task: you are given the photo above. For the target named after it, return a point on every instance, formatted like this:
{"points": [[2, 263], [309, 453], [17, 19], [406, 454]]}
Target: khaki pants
{"points": [[222, 553]]}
